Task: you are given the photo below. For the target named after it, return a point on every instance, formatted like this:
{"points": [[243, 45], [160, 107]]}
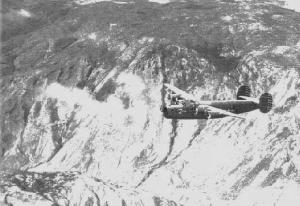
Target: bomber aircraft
{"points": [[181, 105]]}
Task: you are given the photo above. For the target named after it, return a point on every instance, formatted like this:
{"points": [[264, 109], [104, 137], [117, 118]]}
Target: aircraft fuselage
{"points": [[198, 110]]}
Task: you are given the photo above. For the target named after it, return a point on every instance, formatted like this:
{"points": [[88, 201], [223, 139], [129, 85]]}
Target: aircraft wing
{"points": [[250, 99], [181, 93], [221, 111]]}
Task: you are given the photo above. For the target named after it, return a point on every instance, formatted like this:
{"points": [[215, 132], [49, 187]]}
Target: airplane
{"points": [[185, 106]]}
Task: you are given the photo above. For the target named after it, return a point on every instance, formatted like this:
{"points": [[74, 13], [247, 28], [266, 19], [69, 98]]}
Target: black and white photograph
{"points": [[150, 103]]}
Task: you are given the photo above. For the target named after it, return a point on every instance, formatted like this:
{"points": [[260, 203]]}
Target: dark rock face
{"points": [[81, 88]]}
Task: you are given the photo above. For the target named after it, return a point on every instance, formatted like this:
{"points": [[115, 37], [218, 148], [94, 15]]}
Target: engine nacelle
{"points": [[163, 109]]}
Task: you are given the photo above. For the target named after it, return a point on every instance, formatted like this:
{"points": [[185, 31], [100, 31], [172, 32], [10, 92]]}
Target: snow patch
{"points": [[296, 111], [122, 125], [231, 29], [92, 36], [146, 39], [85, 2], [280, 49], [123, 2], [287, 193], [292, 4], [112, 25], [70, 96], [24, 13], [298, 44], [257, 26], [285, 88], [160, 1], [226, 18], [133, 85]]}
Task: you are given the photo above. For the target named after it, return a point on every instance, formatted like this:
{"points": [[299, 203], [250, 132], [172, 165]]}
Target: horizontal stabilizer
{"points": [[250, 99]]}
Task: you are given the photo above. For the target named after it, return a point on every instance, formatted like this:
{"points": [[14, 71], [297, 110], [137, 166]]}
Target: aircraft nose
{"points": [[163, 108]]}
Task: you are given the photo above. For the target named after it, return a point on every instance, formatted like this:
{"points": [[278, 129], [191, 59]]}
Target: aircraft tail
{"points": [[243, 90], [265, 102]]}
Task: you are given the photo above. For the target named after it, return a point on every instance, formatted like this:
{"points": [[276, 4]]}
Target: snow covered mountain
{"points": [[81, 89]]}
